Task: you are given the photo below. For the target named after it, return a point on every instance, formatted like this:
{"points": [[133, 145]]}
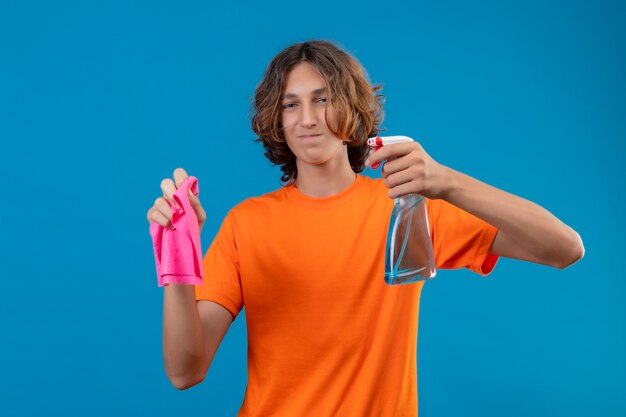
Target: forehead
{"points": [[303, 79]]}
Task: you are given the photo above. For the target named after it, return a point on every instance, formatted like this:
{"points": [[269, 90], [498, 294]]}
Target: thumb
{"points": [[197, 206]]}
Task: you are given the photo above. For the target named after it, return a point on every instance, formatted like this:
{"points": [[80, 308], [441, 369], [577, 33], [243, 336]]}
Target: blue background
{"points": [[99, 101]]}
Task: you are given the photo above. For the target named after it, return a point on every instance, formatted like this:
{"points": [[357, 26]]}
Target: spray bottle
{"points": [[409, 251]]}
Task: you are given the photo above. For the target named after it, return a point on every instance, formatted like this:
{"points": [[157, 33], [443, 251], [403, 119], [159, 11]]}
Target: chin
{"points": [[314, 161], [311, 157], [317, 156]]}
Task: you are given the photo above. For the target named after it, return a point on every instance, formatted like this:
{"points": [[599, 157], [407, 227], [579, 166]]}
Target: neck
{"points": [[325, 179]]}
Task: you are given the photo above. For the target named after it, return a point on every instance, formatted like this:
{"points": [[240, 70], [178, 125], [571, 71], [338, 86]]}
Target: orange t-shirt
{"points": [[326, 335]]}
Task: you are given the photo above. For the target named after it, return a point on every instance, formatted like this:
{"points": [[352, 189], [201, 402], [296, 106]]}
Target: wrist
{"points": [[451, 183]]}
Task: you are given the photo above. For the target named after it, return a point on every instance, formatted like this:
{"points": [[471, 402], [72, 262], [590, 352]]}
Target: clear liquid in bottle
{"points": [[409, 252]]}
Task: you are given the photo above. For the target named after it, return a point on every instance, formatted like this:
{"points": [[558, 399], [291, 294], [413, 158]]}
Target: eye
{"points": [[322, 100], [289, 106]]}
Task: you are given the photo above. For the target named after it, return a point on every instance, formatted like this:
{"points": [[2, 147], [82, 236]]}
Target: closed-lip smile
{"points": [[309, 136]]}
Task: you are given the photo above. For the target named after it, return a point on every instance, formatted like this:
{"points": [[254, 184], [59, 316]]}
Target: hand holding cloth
{"points": [[177, 251]]}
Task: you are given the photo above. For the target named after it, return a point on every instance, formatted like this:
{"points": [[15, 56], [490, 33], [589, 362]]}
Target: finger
{"points": [[404, 189], [168, 188], [400, 177], [395, 165], [197, 207], [158, 217], [163, 206], [389, 152], [194, 200], [180, 175]]}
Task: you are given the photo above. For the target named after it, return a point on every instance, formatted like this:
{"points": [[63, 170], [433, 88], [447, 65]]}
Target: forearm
{"points": [[528, 224], [183, 351]]}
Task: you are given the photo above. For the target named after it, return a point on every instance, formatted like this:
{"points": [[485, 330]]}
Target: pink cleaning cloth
{"points": [[177, 253]]}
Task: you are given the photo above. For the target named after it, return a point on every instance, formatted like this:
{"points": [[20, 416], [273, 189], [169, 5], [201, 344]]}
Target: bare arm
{"points": [[526, 230], [192, 333]]}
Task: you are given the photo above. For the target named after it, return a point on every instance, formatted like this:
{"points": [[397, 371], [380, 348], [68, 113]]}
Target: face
{"points": [[305, 104]]}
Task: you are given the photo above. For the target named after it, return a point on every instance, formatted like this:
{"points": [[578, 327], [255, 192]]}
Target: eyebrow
{"points": [[315, 93]]}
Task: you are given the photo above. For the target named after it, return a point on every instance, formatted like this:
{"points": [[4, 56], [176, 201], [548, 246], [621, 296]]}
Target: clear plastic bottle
{"points": [[409, 254]]}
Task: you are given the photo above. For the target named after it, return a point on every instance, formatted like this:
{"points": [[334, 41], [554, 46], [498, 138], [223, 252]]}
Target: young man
{"points": [[327, 336]]}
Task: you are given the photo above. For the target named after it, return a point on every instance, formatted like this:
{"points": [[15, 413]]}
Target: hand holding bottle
{"points": [[409, 169], [409, 255]]}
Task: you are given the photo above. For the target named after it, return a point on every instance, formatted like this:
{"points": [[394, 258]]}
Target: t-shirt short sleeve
{"points": [[221, 281], [460, 239]]}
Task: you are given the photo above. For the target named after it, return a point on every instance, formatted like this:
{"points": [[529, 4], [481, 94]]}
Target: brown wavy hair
{"points": [[358, 104]]}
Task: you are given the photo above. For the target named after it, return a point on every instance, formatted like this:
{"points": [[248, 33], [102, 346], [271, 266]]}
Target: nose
{"points": [[308, 118]]}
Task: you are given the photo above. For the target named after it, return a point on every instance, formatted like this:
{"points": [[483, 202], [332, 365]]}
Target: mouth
{"points": [[309, 137]]}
